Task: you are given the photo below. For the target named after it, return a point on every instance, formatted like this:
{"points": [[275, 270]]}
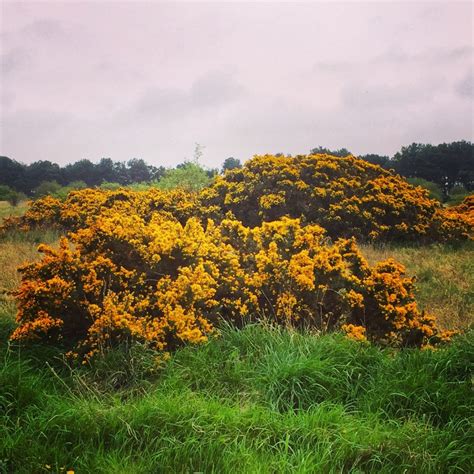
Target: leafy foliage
{"points": [[190, 177], [446, 164], [347, 196]]}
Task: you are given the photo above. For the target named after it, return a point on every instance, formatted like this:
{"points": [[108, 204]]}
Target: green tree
{"points": [[5, 192], [231, 163], [326, 151], [40, 171], [138, 171], [447, 164], [46, 187], [10, 195], [82, 170], [12, 173], [381, 160], [189, 176]]}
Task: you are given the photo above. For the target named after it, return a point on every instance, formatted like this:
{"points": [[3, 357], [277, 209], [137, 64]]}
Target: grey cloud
{"points": [[134, 80], [210, 91], [44, 29], [369, 96], [165, 102], [14, 60], [396, 57], [336, 66], [446, 55], [214, 89], [465, 87]]}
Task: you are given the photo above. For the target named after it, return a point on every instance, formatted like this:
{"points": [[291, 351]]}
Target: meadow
{"points": [[263, 398]]}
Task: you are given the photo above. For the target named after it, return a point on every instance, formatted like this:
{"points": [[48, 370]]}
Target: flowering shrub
{"points": [[347, 196], [157, 280], [463, 211], [84, 206], [44, 212], [296, 276]]}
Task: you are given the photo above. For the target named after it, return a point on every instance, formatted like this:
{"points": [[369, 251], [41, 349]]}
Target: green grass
{"points": [[256, 400], [444, 278], [7, 209]]}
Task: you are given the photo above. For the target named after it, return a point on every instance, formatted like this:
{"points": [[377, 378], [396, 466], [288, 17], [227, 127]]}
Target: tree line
{"points": [[444, 169], [26, 178]]}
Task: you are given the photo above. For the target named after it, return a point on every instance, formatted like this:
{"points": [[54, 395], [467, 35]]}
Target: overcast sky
{"points": [[149, 80]]}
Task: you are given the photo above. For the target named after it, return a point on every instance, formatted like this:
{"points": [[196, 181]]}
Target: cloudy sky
{"points": [[149, 80]]}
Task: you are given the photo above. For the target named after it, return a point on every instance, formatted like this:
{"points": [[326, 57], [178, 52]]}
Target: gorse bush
{"points": [[164, 283], [464, 210], [152, 266], [82, 207], [345, 195]]}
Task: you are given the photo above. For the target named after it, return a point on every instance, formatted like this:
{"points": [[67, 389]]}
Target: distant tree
{"points": [[27, 178], [138, 171], [198, 152], [212, 172], [106, 170], [10, 195], [110, 186], [45, 188], [231, 163], [157, 172], [447, 164], [63, 192], [12, 173], [38, 172], [457, 195], [121, 173], [5, 192], [82, 170], [16, 197], [381, 160], [189, 176], [322, 150]]}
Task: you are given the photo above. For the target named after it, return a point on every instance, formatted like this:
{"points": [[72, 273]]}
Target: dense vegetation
{"points": [[345, 195], [447, 169], [260, 324], [254, 400]]}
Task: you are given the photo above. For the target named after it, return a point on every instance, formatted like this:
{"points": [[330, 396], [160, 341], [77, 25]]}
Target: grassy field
{"points": [[7, 210], [444, 278], [259, 400]]}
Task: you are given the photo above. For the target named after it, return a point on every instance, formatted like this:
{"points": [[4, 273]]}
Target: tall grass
{"points": [[6, 209], [256, 400], [444, 278]]}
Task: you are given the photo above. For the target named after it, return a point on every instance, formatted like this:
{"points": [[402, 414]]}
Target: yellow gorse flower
{"points": [[164, 267], [167, 284]]}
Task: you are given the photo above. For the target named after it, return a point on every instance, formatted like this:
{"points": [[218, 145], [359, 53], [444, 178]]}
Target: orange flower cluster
{"points": [[347, 196], [44, 212], [82, 207], [464, 211], [155, 279]]}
